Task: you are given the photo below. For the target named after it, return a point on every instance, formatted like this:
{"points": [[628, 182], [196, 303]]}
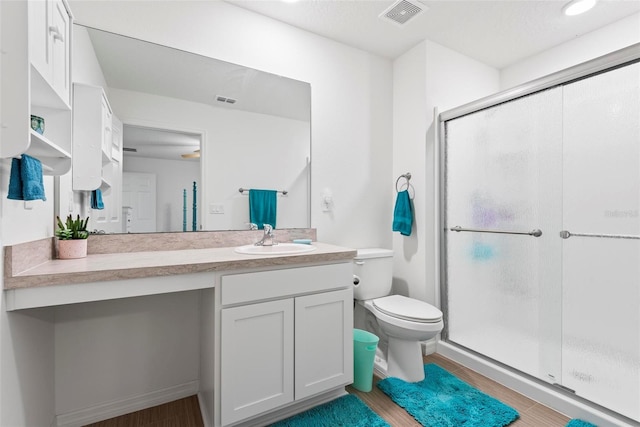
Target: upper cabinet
{"points": [[36, 80], [92, 136]]}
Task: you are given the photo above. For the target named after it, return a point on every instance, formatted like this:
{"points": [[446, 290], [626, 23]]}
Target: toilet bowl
{"points": [[400, 321]]}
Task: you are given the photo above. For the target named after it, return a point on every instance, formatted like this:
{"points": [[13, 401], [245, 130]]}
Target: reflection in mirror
{"points": [[192, 119]]}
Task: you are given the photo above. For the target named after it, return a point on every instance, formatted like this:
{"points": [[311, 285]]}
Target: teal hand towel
{"points": [[402, 214], [262, 207], [25, 181], [96, 199], [15, 181]]}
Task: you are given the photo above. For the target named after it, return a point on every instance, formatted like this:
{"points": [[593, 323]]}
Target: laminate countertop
{"points": [[121, 266]]}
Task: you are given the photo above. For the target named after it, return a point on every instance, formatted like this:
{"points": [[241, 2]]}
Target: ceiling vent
{"points": [[130, 150], [225, 99], [402, 11]]}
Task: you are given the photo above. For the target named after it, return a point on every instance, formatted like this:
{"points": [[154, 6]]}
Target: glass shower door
{"points": [[503, 169], [601, 253]]}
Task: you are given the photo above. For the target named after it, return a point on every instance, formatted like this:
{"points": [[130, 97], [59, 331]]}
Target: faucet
{"points": [[268, 239]]}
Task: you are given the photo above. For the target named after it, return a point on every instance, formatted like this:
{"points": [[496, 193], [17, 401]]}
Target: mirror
{"points": [[188, 118]]}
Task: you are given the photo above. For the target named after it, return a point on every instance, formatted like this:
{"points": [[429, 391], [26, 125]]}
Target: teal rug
{"points": [[579, 423], [442, 400], [347, 411]]}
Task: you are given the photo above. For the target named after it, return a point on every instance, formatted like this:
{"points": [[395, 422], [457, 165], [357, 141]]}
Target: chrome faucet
{"points": [[268, 239]]}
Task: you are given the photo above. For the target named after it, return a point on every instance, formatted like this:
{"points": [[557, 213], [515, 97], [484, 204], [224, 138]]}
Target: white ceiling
{"points": [[497, 33]]}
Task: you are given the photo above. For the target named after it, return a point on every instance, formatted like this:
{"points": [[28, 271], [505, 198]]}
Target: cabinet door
{"points": [[256, 359], [324, 342], [39, 39], [107, 139], [60, 34]]}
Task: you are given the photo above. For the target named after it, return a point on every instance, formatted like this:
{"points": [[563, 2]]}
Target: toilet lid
{"points": [[408, 309]]}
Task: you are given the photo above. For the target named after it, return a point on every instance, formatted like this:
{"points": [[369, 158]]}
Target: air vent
{"points": [[131, 150], [225, 99], [402, 11]]}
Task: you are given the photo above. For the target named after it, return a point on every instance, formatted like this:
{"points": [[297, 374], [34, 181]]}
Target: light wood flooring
{"points": [[186, 412]]}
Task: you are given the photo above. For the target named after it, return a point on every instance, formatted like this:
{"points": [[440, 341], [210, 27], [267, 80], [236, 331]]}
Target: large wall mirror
{"points": [[188, 118]]}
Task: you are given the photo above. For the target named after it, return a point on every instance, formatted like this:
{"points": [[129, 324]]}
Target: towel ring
{"points": [[407, 185]]}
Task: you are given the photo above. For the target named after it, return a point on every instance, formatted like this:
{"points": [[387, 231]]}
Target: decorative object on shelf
{"points": [[37, 124], [25, 180], [72, 237]]}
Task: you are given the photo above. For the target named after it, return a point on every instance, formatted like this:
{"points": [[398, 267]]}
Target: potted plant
{"points": [[72, 237]]}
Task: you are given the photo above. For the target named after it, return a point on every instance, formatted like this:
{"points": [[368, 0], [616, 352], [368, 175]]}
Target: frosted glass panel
{"points": [[601, 277], [503, 166]]}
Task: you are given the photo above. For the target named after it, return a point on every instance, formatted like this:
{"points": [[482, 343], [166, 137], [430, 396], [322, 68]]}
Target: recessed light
{"points": [[576, 7]]}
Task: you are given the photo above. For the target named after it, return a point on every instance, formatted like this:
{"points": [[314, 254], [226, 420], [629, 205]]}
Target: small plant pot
{"points": [[72, 249]]}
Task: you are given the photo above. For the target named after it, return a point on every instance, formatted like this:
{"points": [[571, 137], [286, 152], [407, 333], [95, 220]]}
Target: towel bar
{"points": [[242, 190]]}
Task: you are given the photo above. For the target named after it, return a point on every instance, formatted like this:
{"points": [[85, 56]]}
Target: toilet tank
{"points": [[373, 272]]}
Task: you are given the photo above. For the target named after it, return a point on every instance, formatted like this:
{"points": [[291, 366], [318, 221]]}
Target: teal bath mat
{"points": [[347, 411], [579, 423], [442, 400]]}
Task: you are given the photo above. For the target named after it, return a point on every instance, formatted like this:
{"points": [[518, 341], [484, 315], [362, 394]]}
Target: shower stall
{"points": [[540, 231]]}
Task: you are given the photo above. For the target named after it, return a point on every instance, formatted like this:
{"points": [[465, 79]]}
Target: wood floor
{"points": [[186, 412]]}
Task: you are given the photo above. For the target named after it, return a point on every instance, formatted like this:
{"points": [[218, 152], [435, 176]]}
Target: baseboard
{"points": [[429, 347], [116, 408], [571, 406], [203, 412], [281, 414]]}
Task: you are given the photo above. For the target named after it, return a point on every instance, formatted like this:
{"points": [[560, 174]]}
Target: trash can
{"points": [[364, 352]]}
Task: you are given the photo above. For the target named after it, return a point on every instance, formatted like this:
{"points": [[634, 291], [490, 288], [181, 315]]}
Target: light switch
{"points": [[216, 209]]}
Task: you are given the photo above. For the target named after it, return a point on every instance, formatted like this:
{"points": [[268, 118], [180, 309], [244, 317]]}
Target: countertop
{"points": [[109, 276], [119, 266]]}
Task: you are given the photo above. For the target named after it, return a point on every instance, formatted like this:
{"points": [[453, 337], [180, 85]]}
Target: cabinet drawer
{"points": [[252, 287]]}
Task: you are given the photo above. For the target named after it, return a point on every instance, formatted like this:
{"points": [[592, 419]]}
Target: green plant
{"points": [[72, 229]]}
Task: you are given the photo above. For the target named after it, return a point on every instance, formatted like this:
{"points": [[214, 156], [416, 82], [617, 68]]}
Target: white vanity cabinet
{"points": [[285, 336]]}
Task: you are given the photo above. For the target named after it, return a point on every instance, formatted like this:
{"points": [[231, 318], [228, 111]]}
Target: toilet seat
{"points": [[413, 310]]}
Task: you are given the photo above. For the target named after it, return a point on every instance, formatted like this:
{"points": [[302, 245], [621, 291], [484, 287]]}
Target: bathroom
{"points": [[370, 116]]}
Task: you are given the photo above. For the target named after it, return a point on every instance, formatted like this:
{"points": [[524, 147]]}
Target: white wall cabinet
{"points": [[35, 79], [293, 343], [92, 136]]}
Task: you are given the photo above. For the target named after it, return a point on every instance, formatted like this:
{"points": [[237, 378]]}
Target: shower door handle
{"points": [[565, 234], [535, 233]]}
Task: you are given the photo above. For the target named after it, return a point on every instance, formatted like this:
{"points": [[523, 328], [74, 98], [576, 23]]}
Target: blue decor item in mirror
{"points": [[37, 124]]}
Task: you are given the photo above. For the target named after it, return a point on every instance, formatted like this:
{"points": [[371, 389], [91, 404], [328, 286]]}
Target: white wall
{"points": [[112, 350], [428, 76], [351, 98], [581, 49]]}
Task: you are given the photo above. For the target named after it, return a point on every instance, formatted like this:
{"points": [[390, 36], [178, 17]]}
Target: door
{"points": [[601, 258], [503, 167], [324, 342], [256, 359], [139, 194]]}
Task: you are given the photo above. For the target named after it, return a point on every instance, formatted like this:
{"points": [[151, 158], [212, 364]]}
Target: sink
{"points": [[279, 249]]}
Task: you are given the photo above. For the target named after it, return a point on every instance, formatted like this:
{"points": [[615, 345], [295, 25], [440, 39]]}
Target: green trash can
{"points": [[364, 352]]}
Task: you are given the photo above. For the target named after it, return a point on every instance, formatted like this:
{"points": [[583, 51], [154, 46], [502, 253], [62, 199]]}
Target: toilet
{"points": [[400, 322]]}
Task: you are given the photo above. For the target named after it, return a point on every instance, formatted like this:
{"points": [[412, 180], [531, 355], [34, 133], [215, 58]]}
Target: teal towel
{"points": [[25, 181], [579, 423], [402, 214], [15, 181], [96, 199], [262, 207]]}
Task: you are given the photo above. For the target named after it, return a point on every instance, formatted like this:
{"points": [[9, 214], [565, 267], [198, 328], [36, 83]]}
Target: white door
{"points": [[139, 193], [256, 359], [324, 342]]}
